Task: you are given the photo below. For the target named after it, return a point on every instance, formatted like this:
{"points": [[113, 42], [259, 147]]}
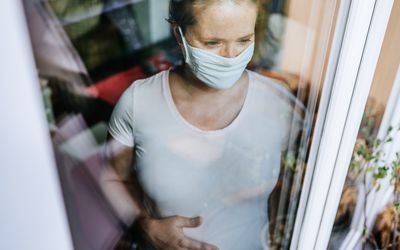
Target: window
{"points": [[87, 54], [366, 211]]}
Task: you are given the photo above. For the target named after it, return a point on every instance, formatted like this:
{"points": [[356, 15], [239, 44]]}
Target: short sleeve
{"points": [[121, 126]]}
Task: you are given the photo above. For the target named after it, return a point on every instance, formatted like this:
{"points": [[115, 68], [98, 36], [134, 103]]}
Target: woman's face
{"points": [[224, 28]]}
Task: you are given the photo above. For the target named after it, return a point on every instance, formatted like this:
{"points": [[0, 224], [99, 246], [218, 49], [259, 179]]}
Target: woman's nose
{"points": [[230, 52]]}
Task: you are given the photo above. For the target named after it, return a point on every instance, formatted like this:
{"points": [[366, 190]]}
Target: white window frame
{"points": [[365, 29]]}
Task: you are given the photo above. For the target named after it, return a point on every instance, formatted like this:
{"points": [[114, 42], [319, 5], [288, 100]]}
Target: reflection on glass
{"points": [[241, 170], [368, 212]]}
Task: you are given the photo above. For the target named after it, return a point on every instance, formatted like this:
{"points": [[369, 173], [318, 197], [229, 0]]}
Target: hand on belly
{"points": [[167, 233]]}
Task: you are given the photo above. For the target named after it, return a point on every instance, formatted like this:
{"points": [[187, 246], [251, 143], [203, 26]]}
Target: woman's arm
{"points": [[119, 184], [121, 187]]}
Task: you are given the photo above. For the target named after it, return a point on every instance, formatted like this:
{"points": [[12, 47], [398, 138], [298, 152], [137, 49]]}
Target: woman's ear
{"points": [[178, 38]]}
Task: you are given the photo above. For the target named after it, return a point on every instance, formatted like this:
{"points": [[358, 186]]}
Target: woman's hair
{"points": [[181, 11]]}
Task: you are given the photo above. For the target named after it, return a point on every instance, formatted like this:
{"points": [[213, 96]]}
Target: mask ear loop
{"points": [[186, 51]]}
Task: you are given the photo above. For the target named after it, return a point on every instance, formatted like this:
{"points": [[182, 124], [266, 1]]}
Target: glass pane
{"points": [[367, 216], [137, 129]]}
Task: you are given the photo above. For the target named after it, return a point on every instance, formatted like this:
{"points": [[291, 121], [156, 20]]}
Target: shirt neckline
{"points": [[180, 118]]}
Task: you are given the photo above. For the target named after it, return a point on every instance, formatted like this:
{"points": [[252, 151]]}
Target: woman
{"points": [[206, 137]]}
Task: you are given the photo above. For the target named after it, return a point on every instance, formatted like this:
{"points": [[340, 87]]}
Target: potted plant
{"points": [[369, 168]]}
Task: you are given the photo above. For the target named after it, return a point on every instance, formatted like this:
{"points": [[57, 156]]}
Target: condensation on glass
{"points": [[88, 53], [368, 212]]}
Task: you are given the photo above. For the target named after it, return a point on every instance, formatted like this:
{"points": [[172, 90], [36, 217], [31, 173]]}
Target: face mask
{"points": [[216, 71]]}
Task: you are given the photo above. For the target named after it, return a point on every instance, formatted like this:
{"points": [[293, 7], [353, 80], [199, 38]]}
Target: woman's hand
{"points": [[168, 234]]}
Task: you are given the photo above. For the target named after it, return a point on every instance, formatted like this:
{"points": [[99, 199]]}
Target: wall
{"points": [[389, 59]]}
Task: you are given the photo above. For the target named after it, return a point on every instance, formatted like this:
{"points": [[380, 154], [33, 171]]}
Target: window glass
{"points": [[113, 67]]}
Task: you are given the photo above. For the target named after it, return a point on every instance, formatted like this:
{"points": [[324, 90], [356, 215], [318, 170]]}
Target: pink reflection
{"points": [[80, 159]]}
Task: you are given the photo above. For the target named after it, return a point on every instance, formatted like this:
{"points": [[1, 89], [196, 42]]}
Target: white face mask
{"points": [[216, 71]]}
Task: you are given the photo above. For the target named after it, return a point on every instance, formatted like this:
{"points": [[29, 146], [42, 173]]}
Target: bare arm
{"points": [[119, 185]]}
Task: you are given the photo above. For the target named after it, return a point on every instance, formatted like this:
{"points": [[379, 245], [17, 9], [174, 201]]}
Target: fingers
{"points": [[188, 222], [188, 243]]}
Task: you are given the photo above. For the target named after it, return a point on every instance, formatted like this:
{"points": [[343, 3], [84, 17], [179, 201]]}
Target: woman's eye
{"points": [[245, 41], [212, 43]]}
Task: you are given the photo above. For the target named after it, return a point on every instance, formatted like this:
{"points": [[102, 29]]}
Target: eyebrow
{"points": [[215, 38], [246, 36]]}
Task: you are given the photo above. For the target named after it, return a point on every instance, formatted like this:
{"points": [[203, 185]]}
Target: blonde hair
{"points": [[181, 13]]}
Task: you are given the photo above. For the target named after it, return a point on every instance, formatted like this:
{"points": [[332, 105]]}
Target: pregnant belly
{"points": [[232, 228]]}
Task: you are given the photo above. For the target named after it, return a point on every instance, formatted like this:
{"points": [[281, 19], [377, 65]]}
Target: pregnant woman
{"points": [[200, 144]]}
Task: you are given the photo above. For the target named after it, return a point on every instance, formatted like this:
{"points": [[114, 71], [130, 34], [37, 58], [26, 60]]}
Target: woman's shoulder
{"points": [[264, 83], [151, 81], [145, 88], [272, 93]]}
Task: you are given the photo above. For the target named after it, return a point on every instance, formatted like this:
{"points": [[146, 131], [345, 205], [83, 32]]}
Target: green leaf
{"points": [[377, 142], [382, 172], [397, 205], [362, 151]]}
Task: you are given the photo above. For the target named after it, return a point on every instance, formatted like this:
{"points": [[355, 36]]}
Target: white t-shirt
{"points": [[223, 175]]}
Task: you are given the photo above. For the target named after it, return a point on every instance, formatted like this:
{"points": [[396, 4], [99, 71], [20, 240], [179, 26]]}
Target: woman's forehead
{"points": [[225, 19]]}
